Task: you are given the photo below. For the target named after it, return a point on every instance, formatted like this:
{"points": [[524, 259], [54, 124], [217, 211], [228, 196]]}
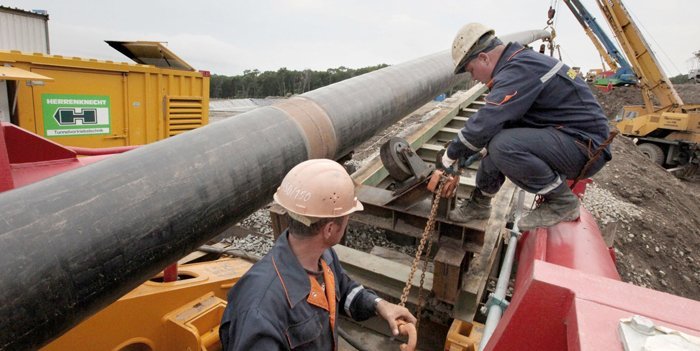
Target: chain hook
{"points": [[550, 15]]}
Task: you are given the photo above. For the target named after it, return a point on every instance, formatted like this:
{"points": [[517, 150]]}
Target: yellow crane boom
{"points": [[653, 80], [667, 130]]}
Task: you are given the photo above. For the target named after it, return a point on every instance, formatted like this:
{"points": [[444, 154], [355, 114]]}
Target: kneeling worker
{"points": [[291, 298]]}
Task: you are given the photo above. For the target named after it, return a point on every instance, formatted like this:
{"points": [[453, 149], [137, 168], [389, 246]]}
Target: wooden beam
{"points": [[448, 268]]}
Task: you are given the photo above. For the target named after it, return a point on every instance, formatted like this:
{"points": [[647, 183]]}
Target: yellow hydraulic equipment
{"points": [[180, 315], [91, 103], [668, 130]]}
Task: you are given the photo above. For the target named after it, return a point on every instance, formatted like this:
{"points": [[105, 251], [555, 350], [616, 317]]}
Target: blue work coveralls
{"points": [[540, 125], [274, 306]]}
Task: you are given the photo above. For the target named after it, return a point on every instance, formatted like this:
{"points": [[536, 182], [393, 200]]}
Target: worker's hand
{"points": [[391, 312], [447, 162], [466, 162], [442, 161]]}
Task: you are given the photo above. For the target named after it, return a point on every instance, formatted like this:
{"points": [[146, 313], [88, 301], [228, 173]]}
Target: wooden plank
{"points": [[477, 274], [432, 147], [450, 130], [448, 268]]}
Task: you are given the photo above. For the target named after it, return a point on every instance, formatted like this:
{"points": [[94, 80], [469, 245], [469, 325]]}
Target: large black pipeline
{"points": [[72, 244]]}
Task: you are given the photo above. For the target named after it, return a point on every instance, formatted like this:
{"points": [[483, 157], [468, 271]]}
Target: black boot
{"points": [[560, 205], [476, 207]]}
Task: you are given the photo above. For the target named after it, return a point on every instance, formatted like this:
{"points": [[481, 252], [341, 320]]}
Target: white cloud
{"points": [[228, 37]]}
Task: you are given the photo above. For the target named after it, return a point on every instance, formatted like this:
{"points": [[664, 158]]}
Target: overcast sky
{"points": [[227, 37]]}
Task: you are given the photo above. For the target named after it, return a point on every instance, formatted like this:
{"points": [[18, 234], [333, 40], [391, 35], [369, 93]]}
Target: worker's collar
{"points": [[291, 273], [512, 49]]}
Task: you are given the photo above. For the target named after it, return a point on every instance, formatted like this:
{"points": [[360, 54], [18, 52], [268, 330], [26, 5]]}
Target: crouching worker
{"points": [[541, 125], [292, 297]]}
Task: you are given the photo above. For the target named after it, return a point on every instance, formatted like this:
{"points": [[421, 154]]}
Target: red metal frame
{"points": [[26, 158], [568, 295]]}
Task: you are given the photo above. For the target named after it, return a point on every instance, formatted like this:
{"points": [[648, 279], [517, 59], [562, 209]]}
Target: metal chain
{"points": [[427, 232], [422, 278]]}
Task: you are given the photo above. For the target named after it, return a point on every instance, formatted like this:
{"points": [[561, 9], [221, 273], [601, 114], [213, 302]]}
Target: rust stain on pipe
{"points": [[316, 125]]}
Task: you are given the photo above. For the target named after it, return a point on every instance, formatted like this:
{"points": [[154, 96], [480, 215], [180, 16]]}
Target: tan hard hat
{"points": [[463, 44], [318, 188]]}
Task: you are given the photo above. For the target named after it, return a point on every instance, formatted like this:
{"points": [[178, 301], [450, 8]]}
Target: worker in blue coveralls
{"points": [[290, 300], [539, 127]]}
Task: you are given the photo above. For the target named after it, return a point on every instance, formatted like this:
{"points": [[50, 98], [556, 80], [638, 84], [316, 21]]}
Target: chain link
{"points": [[422, 279], [427, 233]]}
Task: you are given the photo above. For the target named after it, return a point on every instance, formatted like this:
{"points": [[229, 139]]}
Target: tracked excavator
{"points": [[84, 240]]}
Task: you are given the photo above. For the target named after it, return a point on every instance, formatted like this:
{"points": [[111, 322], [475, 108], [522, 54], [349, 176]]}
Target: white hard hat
{"points": [[318, 188], [463, 46]]}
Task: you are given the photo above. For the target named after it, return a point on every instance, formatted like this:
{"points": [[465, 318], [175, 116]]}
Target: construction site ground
{"points": [[657, 239]]}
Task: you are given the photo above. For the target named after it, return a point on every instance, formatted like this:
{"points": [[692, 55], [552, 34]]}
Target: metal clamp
{"points": [[514, 233], [495, 301]]}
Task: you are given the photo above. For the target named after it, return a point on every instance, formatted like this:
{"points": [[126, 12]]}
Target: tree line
{"points": [[283, 82]]}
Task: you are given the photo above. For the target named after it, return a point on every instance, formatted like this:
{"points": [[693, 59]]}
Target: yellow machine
{"points": [[179, 315], [97, 104], [668, 132]]}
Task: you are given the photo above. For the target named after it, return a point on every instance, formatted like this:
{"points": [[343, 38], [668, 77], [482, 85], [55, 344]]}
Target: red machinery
{"points": [[568, 296], [26, 158]]}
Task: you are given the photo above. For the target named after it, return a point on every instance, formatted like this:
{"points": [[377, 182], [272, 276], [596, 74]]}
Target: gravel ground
{"points": [[358, 237], [607, 208]]}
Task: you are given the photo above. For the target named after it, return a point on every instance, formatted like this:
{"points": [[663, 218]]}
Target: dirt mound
{"points": [[613, 101], [658, 216], [657, 240]]}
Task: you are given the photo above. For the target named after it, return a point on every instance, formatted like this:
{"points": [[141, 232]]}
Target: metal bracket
{"points": [[495, 301]]}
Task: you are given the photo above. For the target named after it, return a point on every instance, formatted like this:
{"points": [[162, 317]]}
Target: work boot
{"points": [[560, 205], [476, 207]]}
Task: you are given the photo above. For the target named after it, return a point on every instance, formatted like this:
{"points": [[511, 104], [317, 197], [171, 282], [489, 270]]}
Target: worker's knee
{"points": [[503, 147], [499, 145]]}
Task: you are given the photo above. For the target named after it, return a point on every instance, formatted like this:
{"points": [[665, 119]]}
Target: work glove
{"points": [[442, 161], [447, 162], [451, 165], [465, 162]]}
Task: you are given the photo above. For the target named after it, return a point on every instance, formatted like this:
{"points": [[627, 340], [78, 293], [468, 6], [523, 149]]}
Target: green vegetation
{"points": [[680, 79], [283, 82]]}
